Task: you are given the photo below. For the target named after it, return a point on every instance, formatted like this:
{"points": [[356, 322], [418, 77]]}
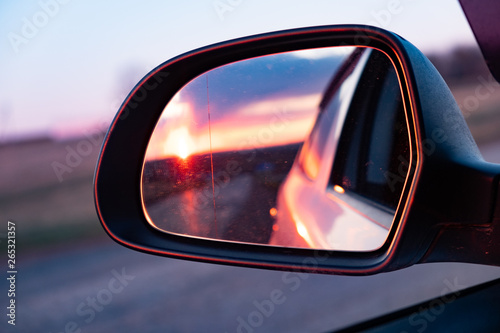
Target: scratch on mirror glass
{"points": [[211, 159]]}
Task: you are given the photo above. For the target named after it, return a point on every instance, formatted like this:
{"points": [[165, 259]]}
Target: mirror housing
{"points": [[447, 211]]}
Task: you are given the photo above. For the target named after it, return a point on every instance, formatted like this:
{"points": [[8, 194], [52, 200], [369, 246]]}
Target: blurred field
{"points": [[475, 90], [49, 209], [483, 120]]}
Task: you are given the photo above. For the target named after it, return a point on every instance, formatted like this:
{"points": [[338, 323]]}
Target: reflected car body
{"points": [[327, 200]]}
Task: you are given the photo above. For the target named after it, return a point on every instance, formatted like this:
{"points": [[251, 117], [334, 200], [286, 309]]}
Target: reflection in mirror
{"points": [[296, 149]]}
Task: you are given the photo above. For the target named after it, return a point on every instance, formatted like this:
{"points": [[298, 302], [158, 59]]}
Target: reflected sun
{"points": [[182, 149], [179, 143]]}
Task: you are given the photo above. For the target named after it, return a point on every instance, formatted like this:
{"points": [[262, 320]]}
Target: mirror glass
{"points": [[299, 149]]}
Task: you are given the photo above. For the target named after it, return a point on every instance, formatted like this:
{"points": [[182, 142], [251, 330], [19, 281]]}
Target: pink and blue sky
{"points": [[66, 65]]}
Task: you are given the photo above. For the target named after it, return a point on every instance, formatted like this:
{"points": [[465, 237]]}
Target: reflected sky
{"points": [[261, 102]]}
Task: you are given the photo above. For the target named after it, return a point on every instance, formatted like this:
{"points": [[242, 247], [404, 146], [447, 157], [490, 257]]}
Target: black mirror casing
{"points": [[448, 200]]}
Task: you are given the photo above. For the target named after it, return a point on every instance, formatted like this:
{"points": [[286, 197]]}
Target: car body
{"points": [[315, 180]]}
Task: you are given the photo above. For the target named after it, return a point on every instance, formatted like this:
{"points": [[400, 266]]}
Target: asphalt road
{"points": [[103, 287], [242, 211], [100, 286]]}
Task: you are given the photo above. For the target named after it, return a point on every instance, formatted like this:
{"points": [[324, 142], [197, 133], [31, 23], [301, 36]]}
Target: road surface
{"points": [[103, 287], [100, 286]]}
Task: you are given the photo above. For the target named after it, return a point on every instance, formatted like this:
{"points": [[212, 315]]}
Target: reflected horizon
{"points": [[223, 110]]}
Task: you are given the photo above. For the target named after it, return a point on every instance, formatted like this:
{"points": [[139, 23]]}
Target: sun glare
{"points": [[182, 149], [179, 143]]}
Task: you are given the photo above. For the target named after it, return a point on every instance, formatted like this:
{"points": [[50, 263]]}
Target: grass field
{"points": [[480, 105], [47, 208], [50, 206]]}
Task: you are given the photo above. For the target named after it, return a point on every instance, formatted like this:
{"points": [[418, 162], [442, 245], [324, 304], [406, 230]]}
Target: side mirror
{"points": [[332, 149]]}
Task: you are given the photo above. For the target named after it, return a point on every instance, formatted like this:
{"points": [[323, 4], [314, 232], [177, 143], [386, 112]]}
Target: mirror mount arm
{"points": [[472, 243]]}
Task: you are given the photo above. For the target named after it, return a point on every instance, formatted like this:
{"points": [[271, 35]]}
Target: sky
{"points": [[68, 64], [260, 102]]}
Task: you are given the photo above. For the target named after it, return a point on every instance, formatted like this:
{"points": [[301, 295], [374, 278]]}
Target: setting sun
{"points": [[179, 143], [182, 151]]}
